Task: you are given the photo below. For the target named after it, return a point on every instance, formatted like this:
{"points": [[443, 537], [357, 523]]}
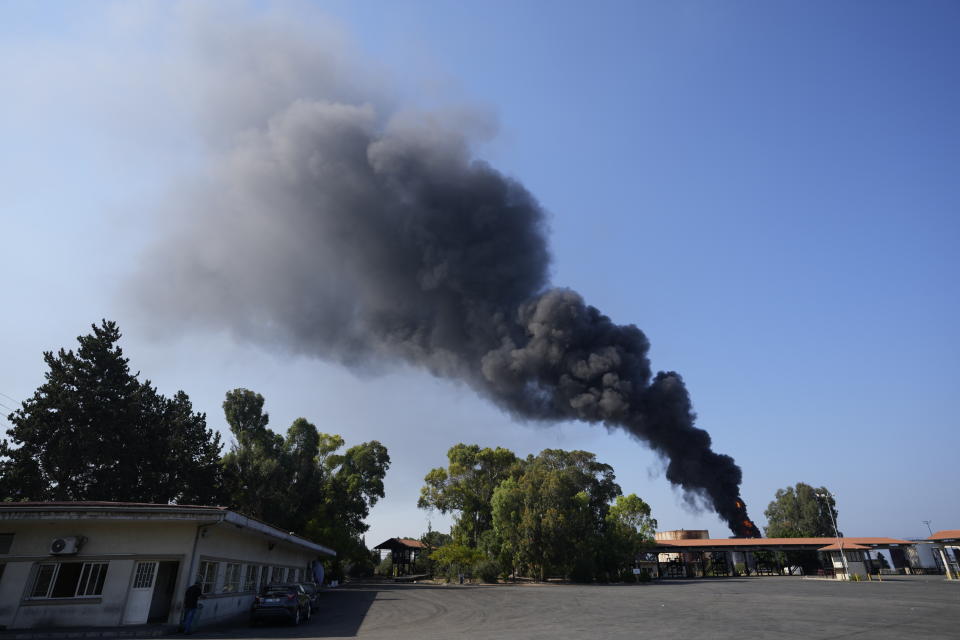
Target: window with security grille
{"points": [[207, 575], [68, 580], [92, 577], [144, 576], [231, 578], [278, 574], [251, 578]]}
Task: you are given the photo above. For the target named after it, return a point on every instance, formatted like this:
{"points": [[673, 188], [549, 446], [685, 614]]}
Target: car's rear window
{"points": [[283, 590]]}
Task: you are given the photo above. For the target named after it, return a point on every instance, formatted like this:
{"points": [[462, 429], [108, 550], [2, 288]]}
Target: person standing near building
{"points": [[191, 602]]}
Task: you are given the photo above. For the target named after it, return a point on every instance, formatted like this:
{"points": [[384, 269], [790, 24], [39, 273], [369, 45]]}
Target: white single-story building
{"points": [[89, 564]]}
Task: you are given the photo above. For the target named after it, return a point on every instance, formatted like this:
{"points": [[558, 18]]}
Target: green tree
{"points": [[551, 520], [466, 486], [255, 478], [455, 558], [629, 528], [350, 484], [801, 511], [186, 468], [302, 482], [436, 539], [798, 512], [508, 508], [93, 431]]}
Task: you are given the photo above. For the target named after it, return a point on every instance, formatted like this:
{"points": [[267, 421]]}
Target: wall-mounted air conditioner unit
{"points": [[66, 546]]}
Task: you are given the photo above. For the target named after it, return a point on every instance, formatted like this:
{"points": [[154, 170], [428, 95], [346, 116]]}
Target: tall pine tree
{"points": [[93, 431]]}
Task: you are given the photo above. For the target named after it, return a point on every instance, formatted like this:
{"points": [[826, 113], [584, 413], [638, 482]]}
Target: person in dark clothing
{"points": [[191, 602]]}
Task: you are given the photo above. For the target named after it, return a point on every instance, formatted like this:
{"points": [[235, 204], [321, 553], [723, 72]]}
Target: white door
{"points": [[141, 593]]}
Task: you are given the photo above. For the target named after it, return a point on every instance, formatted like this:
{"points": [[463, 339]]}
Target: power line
{"points": [[11, 409]]}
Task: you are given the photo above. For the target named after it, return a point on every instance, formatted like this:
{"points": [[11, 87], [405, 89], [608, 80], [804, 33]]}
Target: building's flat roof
{"points": [[750, 544], [947, 535], [102, 510]]}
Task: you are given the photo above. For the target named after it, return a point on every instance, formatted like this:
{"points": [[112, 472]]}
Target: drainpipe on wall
{"points": [[191, 574]]}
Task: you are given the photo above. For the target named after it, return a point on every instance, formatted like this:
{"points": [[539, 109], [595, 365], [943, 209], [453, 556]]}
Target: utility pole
{"points": [[843, 556]]}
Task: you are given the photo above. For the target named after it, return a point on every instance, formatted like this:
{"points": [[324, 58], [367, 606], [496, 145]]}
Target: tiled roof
{"points": [[410, 542], [847, 546], [393, 543], [774, 542], [946, 534]]}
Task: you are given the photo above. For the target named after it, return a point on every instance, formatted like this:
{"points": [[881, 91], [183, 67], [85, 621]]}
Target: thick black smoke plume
{"points": [[348, 236]]}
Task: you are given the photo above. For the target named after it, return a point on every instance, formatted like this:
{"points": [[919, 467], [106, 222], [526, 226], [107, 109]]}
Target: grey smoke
{"points": [[336, 229]]}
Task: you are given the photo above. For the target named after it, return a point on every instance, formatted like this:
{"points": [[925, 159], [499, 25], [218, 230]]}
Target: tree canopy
{"points": [[557, 513], [798, 512], [801, 512], [93, 431], [465, 487], [301, 482]]}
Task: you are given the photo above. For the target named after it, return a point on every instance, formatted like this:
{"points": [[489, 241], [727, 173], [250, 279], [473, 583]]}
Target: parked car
{"points": [[312, 590], [287, 602]]}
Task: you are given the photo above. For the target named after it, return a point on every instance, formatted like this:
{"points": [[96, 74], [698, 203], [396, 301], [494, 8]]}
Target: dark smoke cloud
{"points": [[336, 230]]}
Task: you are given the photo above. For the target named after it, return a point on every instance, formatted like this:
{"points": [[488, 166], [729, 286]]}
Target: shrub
{"points": [[487, 570], [628, 576], [644, 576], [360, 567], [582, 571], [423, 564], [385, 568]]}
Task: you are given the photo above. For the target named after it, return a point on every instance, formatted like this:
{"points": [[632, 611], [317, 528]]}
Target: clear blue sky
{"points": [[768, 189]]}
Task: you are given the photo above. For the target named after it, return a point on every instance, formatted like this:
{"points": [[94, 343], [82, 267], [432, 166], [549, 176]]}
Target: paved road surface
{"points": [[741, 608]]}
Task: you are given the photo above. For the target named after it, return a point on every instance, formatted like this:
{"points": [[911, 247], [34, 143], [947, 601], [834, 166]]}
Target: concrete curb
{"points": [[70, 634]]}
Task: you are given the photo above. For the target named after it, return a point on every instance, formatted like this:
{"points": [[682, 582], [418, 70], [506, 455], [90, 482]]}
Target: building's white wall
{"points": [[116, 542], [12, 585], [104, 537], [105, 611], [225, 543], [228, 541], [122, 544]]}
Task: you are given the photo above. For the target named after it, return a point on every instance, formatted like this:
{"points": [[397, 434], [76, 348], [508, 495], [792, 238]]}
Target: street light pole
{"points": [[927, 522], [843, 556]]}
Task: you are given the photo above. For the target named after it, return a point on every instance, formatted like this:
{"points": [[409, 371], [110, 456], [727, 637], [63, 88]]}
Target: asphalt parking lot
{"points": [[765, 607]]}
